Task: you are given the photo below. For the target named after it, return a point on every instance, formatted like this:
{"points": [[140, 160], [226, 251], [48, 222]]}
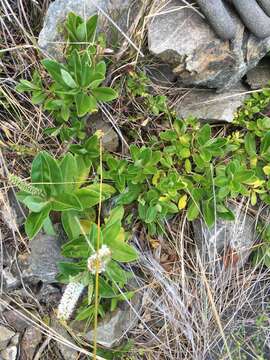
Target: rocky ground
{"points": [[189, 306]]}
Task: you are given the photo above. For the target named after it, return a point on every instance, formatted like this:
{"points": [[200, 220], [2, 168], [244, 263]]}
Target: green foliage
{"points": [[74, 88], [113, 277], [62, 187]]}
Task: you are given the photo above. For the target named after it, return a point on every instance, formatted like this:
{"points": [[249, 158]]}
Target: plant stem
{"points": [[97, 250]]}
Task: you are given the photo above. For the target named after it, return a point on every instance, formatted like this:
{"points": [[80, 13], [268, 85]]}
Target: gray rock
{"points": [[67, 352], [51, 38], [10, 282], [10, 353], [259, 77], [116, 325], [29, 343], [45, 255], [15, 321], [161, 75], [49, 295], [5, 336], [110, 139], [236, 237], [184, 40], [209, 106]]}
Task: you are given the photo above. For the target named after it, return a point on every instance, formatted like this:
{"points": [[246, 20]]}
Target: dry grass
{"points": [[191, 309]]}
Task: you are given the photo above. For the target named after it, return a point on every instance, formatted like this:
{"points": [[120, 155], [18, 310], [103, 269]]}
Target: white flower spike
{"points": [[69, 300]]}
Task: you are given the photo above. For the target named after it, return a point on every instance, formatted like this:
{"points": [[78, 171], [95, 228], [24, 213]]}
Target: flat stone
{"points": [[113, 328], [9, 353], [67, 352], [51, 38], [259, 77], [5, 336], [184, 40], [207, 105], [15, 321], [236, 236], [31, 338], [45, 255], [110, 139]]}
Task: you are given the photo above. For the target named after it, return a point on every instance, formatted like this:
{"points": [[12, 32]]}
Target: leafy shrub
{"points": [[75, 87]]}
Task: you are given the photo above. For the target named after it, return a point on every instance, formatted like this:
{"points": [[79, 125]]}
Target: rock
{"points": [[110, 139], [29, 343], [51, 39], [10, 282], [259, 77], [10, 353], [45, 254], [49, 295], [161, 75], [226, 238], [15, 321], [183, 39], [112, 329], [67, 352], [209, 106], [5, 336]]}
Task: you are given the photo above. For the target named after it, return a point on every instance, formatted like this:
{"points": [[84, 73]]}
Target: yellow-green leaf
{"points": [[182, 202]]}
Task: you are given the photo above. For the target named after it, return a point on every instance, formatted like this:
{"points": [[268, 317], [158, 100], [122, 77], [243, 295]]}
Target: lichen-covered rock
{"points": [[207, 105], [45, 255], [51, 38], [183, 39], [259, 77]]}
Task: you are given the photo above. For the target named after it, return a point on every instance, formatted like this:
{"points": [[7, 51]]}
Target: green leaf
{"points": [[77, 248], [265, 145], [104, 94], [69, 169], [85, 104], [25, 85], [89, 196], [122, 252], [193, 210], [65, 202], [54, 69], [91, 27], [70, 224], [48, 227], [46, 174], [86, 314], [250, 144], [35, 221], [151, 214], [208, 211], [38, 97], [204, 134], [68, 79], [105, 290], [116, 216], [35, 203]]}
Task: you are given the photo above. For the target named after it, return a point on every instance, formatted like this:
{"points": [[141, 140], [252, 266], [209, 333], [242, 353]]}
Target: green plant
{"points": [[61, 185], [113, 279], [75, 86]]}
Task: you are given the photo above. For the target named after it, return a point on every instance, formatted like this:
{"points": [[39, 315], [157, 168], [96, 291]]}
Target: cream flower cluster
{"points": [[69, 300], [98, 261]]}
